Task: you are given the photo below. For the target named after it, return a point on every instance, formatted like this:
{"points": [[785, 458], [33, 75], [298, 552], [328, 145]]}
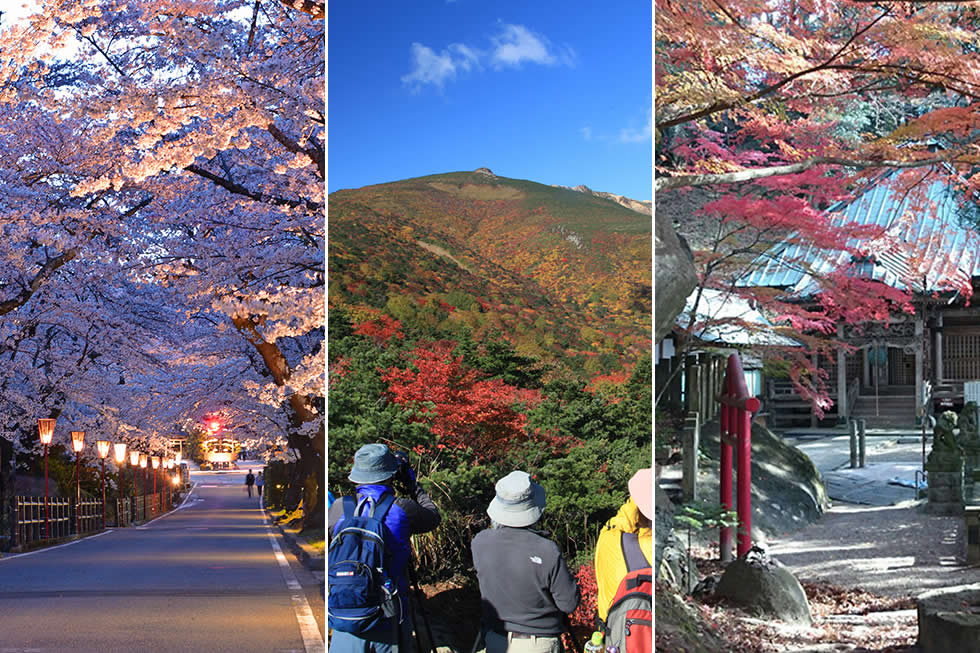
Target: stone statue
{"points": [[944, 434], [969, 423]]}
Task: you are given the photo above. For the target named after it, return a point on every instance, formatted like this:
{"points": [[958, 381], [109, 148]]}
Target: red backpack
{"points": [[629, 623]]}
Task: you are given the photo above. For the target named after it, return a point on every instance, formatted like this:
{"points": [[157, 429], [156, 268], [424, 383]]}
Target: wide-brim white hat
{"points": [[519, 501]]}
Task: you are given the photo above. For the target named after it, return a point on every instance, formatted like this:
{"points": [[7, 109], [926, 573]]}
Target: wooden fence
{"points": [[29, 516], [89, 515], [30, 519]]}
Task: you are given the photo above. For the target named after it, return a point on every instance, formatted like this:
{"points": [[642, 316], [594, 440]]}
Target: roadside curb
{"points": [[307, 555]]}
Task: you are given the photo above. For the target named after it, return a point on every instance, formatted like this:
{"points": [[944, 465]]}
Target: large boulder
{"points": [[675, 276], [764, 587]]}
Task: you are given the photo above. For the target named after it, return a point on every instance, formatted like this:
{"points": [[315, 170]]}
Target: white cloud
{"points": [[633, 135], [432, 68], [586, 132], [516, 44], [513, 46]]}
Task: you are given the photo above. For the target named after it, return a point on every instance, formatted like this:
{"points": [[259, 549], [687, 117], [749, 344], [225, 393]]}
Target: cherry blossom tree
{"points": [[163, 168]]}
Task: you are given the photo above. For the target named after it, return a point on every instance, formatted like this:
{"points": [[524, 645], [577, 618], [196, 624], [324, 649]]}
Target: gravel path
{"points": [[893, 550]]}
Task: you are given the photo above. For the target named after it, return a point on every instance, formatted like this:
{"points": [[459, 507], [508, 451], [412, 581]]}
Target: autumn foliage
{"points": [[460, 407]]}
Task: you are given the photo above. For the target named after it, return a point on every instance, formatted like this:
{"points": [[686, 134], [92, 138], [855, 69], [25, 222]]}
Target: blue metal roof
{"points": [[924, 245]]}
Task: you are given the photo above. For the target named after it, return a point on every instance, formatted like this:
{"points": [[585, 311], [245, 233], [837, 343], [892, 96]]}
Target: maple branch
{"points": [[772, 88], [238, 189], [691, 181], [311, 7]]}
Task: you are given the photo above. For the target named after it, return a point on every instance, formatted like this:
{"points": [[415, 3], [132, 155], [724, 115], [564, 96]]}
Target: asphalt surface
{"points": [[206, 578], [890, 456]]}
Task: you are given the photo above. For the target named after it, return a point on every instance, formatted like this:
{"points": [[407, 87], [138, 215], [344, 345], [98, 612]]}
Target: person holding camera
{"points": [[376, 472]]}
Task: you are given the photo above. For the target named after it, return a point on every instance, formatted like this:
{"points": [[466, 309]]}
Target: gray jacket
{"points": [[525, 585]]}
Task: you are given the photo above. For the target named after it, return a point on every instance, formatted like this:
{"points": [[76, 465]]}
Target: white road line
{"points": [[308, 627], [12, 556]]}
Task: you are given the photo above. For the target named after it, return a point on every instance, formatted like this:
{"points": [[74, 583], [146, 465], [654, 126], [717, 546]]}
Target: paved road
{"points": [[888, 456], [206, 577]]}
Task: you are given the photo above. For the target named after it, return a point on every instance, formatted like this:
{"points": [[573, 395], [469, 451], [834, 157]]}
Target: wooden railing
{"points": [[89, 515], [29, 516]]}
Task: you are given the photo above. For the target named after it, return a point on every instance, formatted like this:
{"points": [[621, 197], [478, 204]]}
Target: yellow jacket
{"points": [[610, 567]]}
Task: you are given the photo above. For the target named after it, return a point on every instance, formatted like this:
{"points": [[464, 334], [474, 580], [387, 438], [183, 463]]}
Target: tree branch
{"points": [[772, 88], [314, 152], [691, 181], [238, 189], [45, 273]]}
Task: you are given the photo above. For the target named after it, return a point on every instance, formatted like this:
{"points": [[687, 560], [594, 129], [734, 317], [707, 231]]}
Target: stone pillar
{"points": [[945, 468], [972, 515], [691, 441], [692, 384]]}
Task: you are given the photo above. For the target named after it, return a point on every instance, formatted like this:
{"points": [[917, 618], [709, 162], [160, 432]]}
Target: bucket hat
{"points": [[641, 491], [519, 501], [373, 463]]}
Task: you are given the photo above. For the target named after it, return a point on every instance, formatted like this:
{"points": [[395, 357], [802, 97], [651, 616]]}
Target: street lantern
{"points": [[45, 429], [178, 457], [77, 444], [119, 452], [103, 447]]}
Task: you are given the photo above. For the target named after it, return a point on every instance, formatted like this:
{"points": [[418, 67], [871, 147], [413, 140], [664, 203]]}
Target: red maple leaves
{"points": [[460, 406]]}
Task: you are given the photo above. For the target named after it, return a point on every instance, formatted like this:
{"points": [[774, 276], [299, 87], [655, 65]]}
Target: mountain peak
{"points": [[484, 171]]}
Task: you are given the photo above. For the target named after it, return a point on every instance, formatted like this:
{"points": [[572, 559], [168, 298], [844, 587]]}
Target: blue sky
{"points": [[553, 92]]}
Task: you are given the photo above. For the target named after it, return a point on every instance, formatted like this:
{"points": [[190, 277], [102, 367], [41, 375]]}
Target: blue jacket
{"points": [[406, 517]]}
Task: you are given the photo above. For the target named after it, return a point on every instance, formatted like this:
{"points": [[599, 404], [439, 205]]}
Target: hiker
{"points": [[525, 585], [375, 472], [626, 541], [249, 482], [258, 485]]}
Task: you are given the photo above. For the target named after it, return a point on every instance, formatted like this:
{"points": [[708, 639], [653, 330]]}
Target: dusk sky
{"points": [[553, 92]]}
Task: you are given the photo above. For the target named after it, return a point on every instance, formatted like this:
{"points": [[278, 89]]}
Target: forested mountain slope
{"points": [[564, 275]]}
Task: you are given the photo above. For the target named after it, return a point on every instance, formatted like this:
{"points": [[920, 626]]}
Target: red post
{"points": [[736, 428], [47, 525], [744, 482], [725, 537], [78, 499], [103, 494], [155, 498]]}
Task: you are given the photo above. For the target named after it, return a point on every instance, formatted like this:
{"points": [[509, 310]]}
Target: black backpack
{"points": [[360, 592]]}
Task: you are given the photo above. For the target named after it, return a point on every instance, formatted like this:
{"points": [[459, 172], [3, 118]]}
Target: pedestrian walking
{"points": [[259, 481], [526, 588], [382, 622], [626, 541], [249, 482]]}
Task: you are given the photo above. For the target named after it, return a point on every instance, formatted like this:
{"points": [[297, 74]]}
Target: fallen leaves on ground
{"points": [[840, 616]]}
